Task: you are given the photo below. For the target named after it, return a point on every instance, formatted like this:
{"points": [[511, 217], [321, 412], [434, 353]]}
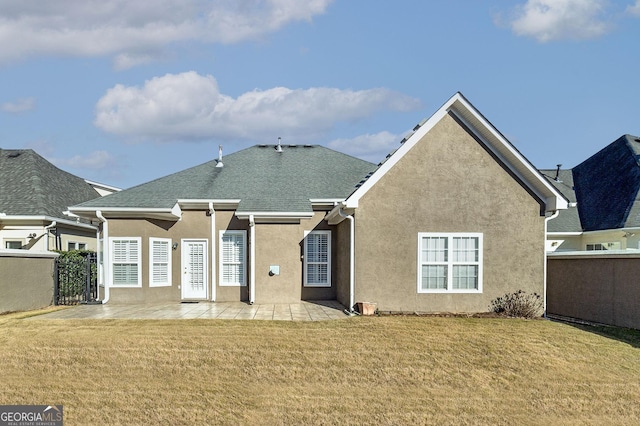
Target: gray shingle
{"points": [[264, 179], [30, 185]]}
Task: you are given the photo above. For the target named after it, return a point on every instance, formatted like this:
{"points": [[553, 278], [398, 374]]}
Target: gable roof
{"points": [[32, 186], [607, 186], [255, 180], [485, 133]]}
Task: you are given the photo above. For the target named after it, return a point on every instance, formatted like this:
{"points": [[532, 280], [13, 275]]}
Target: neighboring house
{"points": [[604, 209], [34, 196], [454, 218]]}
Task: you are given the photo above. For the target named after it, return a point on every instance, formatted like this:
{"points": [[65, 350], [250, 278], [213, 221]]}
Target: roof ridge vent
{"points": [[219, 157], [279, 147]]}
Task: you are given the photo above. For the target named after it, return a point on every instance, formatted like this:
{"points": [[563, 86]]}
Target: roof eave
{"points": [[174, 213], [279, 217]]}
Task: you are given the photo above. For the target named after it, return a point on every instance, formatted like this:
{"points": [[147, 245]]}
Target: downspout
{"points": [[212, 213], [105, 256], [252, 260], [46, 233], [352, 276], [546, 224]]}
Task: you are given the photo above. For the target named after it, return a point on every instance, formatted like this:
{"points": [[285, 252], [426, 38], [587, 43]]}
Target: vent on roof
{"points": [[14, 154], [557, 178], [279, 147], [219, 157], [307, 146], [262, 145], [637, 139], [292, 145]]}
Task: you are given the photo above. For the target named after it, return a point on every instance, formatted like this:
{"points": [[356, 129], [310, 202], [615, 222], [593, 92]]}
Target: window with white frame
{"points": [[126, 262], [13, 244], [233, 258], [72, 245], [449, 262], [603, 246], [317, 259], [159, 262]]}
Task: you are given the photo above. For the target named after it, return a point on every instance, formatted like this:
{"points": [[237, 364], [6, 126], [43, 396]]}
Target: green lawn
{"points": [[380, 370]]}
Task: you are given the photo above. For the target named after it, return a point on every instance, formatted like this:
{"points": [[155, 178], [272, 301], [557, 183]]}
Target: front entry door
{"points": [[194, 269]]}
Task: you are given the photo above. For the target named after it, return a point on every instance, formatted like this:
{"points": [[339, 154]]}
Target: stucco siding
{"points": [[595, 287], [446, 183], [282, 245], [26, 281], [194, 225], [278, 244]]}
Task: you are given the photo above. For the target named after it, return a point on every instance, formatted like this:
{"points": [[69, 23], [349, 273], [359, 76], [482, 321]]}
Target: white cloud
{"points": [[96, 160], [369, 147], [18, 106], [134, 31], [189, 106], [634, 9], [552, 20]]}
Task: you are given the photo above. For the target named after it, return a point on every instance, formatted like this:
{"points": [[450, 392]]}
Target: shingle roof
{"points": [[607, 185], [262, 178], [568, 220], [30, 185]]}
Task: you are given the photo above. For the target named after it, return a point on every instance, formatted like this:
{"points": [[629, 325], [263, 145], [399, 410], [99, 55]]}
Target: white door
{"points": [[194, 269]]}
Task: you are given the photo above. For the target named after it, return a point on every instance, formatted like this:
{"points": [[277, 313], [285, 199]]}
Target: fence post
{"points": [[56, 282]]}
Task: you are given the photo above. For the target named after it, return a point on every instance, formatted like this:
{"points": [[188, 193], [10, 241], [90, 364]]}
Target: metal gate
{"points": [[76, 279]]}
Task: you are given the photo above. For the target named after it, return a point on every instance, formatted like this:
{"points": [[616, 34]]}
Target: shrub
{"points": [[519, 304], [73, 272]]}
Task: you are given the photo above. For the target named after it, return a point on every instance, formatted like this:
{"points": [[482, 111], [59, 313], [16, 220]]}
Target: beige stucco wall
{"points": [[194, 225], [595, 287], [26, 282], [446, 183], [282, 245], [275, 244]]}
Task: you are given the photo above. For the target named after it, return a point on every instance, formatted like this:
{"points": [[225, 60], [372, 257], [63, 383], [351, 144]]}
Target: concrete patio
{"points": [[304, 311]]}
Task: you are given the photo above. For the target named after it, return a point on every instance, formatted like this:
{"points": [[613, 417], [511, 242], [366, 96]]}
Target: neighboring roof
{"points": [[260, 177], [568, 220], [607, 186], [468, 116], [31, 186]]}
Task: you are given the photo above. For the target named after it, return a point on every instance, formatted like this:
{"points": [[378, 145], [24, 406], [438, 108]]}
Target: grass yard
{"points": [[376, 370]]}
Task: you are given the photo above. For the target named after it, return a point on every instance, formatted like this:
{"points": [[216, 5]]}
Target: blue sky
{"points": [[124, 92]]}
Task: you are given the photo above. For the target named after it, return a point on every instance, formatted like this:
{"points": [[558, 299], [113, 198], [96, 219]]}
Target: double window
{"points": [[317, 259], [233, 258], [449, 263], [126, 262]]}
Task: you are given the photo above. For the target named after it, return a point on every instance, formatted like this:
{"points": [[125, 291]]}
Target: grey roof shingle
{"points": [[568, 220], [607, 185], [30, 185], [262, 178]]}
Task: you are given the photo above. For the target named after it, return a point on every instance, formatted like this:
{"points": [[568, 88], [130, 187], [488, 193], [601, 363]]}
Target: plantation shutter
{"points": [[317, 259], [160, 262], [125, 261], [233, 258]]}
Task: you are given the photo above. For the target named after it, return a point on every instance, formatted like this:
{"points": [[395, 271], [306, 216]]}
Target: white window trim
{"points": [[450, 263], [304, 273], [138, 260], [167, 241], [221, 260]]}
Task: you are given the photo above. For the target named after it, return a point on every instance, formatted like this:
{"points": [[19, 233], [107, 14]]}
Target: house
{"points": [[452, 219], [34, 196], [604, 209]]}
